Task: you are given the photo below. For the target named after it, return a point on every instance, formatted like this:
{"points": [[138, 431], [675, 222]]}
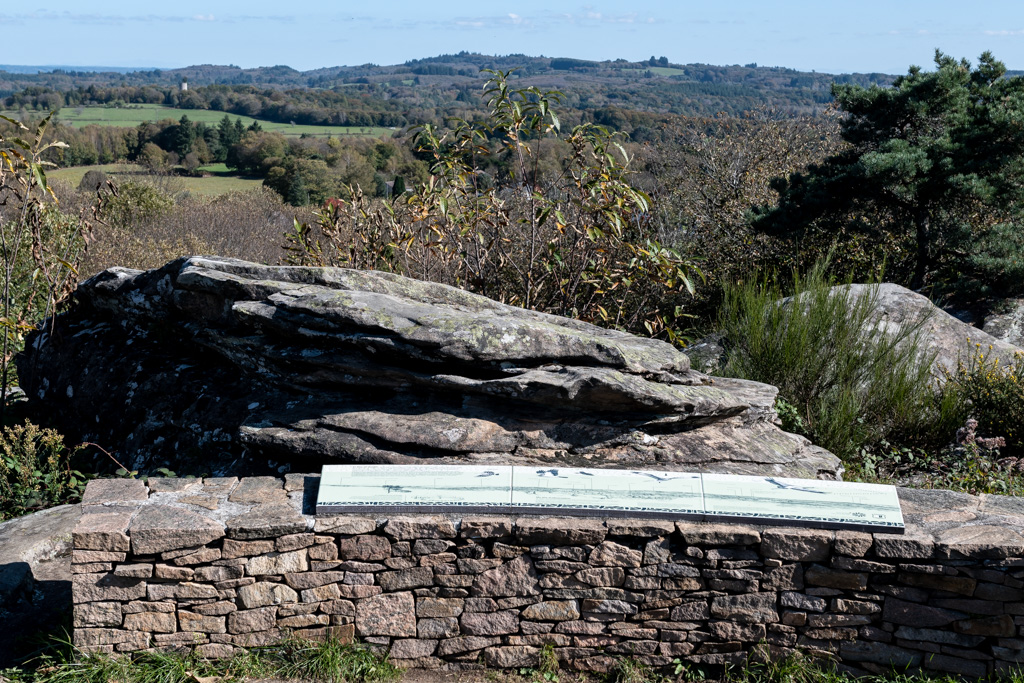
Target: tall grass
{"points": [[851, 380]]}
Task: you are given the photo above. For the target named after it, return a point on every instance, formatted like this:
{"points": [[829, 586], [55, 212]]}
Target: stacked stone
{"points": [[219, 564]]}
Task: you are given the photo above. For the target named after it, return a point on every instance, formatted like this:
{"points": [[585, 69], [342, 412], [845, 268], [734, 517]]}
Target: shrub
{"points": [[561, 230], [40, 247], [993, 394], [843, 378], [35, 470], [134, 203]]}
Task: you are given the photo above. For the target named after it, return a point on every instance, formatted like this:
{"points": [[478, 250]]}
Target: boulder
{"points": [[1008, 323], [217, 358]]}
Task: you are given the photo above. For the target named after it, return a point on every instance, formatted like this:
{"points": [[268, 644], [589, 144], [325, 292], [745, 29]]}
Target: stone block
{"points": [[490, 624], [911, 546], [277, 563], [817, 575], [392, 614], [439, 607], [106, 588], [166, 571], [293, 542], [412, 528], [233, 549], [611, 554], [364, 548], [751, 608], [796, 545], [201, 623], [553, 610], [442, 627], [559, 531], [266, 521], [159, 528], [259, 491], [1002, 626], [105, 529], [97, 614], [180, 591], [904, 613], [640, 528], [100, 491], [252, 620], [406, 579], [459, 646], [307, 580], [263, 594], [412, 648], [345, 524], [513, 656], [516, 577], [151, 622], [718, 534], [951, 584]]}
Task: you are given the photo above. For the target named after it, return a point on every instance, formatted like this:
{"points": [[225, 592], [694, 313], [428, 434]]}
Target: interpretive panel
{"points": [[414, 488], [606, 492], [802, 502]]}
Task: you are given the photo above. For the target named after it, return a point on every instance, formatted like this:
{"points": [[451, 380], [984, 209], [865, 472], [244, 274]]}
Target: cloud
{"points": [[1005, 32], [203, 17], [587, 17]]}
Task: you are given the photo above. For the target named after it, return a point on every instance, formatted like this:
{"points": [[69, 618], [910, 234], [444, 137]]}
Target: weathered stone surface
{"points": [[903, 613], [153, 622], [512, 656], [442, 627], [610, 554], [516, 577], [560, 531], [489, 624], [179, 591], [801, 545], [640, 528], [104, 529], [345, 524], [405, 579], [200, 623], [114, 491], [262, 594], [852, 543], [757, 608], [266, 521], [439, 607], [412, 648], [553, 610], [309, 333], [411, 528], [906, 547], [277, 563], [718, 534], [979, 541], [134, 571], [251, 620], [97, 614], [106, 588], [392, 614], [159, 528], [364, 548]]}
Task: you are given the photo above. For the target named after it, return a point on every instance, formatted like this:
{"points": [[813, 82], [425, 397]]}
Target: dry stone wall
{"points": [[220, 564]]}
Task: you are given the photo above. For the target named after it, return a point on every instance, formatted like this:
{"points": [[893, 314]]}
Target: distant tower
{"points": [[184, 84]]}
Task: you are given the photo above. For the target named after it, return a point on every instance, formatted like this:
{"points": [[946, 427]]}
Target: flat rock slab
{"points": [[337, 365]]}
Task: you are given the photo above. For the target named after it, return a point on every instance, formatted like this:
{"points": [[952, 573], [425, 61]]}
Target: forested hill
{"points": [[653, 85]]}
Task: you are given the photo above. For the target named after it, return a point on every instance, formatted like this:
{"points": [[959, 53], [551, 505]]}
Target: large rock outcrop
{"points": [[234, 364]]}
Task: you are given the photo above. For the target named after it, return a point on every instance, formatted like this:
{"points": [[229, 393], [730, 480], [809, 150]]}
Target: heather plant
{"points": [[845, 381]]}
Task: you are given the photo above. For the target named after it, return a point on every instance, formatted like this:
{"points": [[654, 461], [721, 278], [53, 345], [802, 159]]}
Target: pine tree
{"points": [[936, 160]]}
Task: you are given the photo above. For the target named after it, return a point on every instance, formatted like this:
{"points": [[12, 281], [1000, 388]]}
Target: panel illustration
{"points": [[807, 502], [414, 488]]}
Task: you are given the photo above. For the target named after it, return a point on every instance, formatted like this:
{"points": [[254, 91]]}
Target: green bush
{"points": [[134, 203], [993, 394], [35, 470], [844, 381]]}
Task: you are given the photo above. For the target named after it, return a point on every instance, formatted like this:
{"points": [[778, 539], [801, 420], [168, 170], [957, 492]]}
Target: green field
{"points": [[132, 115], [660, 70], [209, 185]]}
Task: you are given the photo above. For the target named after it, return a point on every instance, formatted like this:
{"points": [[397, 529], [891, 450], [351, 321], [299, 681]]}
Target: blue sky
{"points": [[822, 35]]}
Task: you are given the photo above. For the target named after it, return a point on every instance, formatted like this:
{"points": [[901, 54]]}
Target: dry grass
{"points": [[247, 225]]}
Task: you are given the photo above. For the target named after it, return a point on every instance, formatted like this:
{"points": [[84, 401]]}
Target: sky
{"points": [[821, 35]]}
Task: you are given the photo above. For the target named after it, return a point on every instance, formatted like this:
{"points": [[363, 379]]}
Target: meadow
{"points": [[131, 115], [218, 182]]}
